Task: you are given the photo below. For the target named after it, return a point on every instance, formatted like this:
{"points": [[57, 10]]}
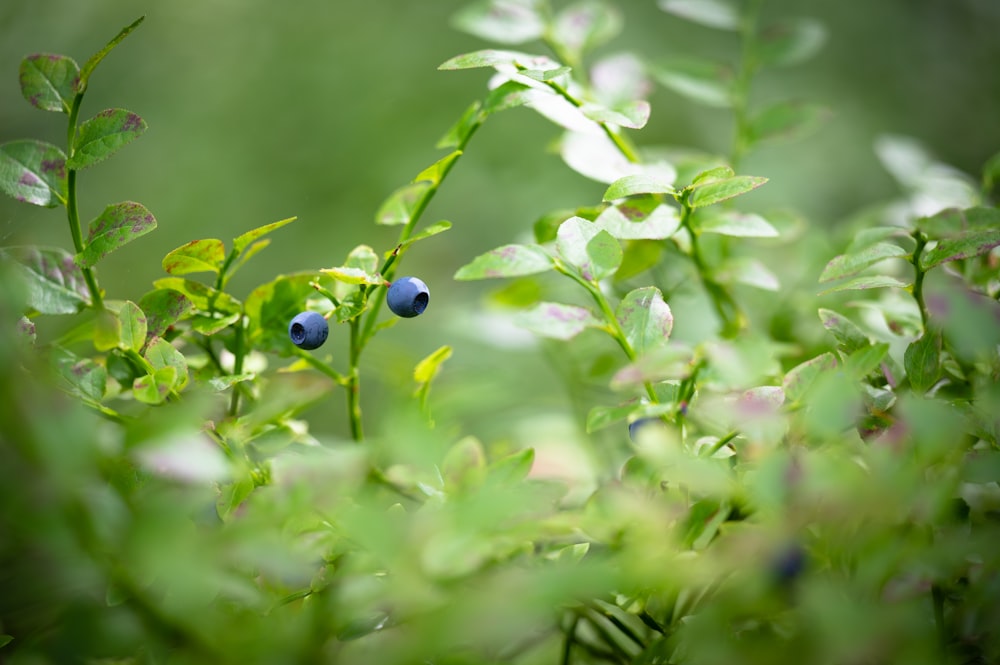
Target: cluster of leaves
{"points": [[775, 504]]}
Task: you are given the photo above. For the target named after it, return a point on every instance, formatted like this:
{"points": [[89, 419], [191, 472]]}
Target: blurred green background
{"points": [[260, 110]]}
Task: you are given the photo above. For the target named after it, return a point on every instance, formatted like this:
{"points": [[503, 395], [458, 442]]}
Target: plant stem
{"points": [[567, 649], [72, 207], [732, 318], [320, 366], [918, 278], [238, 355], [353, 384], [741, 89]]}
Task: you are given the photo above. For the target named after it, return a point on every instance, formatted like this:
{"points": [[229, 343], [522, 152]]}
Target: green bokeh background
{"points": [[259, 110]]}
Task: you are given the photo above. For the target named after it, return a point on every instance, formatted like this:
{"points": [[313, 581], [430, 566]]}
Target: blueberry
{"points": [[308, 330], [788, 563], [408, 297], [634, 427]]}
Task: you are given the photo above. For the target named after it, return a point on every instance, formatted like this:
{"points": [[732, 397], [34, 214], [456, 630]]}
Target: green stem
{"points": [[320, 366], [741, 88], [567, 649], [732, 318], [73, 209], [918, 279], [353, 384], [239, 353]]}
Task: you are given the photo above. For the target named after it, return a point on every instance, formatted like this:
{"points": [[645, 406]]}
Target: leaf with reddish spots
{"points": [[202, 297], [33, 172], [965, 245], [82, 376], [645, 319], [205, 255], [54, 282], [118, 225], [104, 134], [849, 336], [47, 81], [507, 261], [557, 321], [132, 335], [163, 308]]}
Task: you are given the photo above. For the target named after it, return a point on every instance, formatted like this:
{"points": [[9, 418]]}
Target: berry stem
{"points": [[918, 276], [73, 209]]}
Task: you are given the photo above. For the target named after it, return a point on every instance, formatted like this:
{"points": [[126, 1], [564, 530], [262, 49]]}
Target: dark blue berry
{"points": [[634, 427], [788, 563], [408, 297], [308, 330]]}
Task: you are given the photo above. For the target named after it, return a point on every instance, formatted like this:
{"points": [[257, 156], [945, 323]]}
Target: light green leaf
{"points": [[154, 388], [511, 469], [350, 275], [846, 265], [645, 319], [54, 282], [80, 84], [605, 255], [633, 114], [573, 242], [845, 331], [869, 236], [427, 369], [736, 224], [460, 132], [487, 58], [720, 14], [865, 360], [867, 282], [47, 81], [398, 208], [922, 361], [203, 297], [639, 218], [103, 135], [242, 241], [585, 25], [503, 21], [709, 193], [33, 172], [641, 183], [133, 327], [791, 41], [464, 464], [205, 255], [798, 379], [432, 230], [160, 353], [750, 272], [437, 171], [506, 261], [118, 225], [700, 81], [557, 320], [507, 95]]}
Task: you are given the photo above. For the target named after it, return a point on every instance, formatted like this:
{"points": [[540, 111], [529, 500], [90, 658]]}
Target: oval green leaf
{"points": [[867, 282], [736, 224], [104, 134], [55, 283], [205, 255], [710, 193], [47, 81], [132, 331], [645, 319], [506, 261], [118, 225], [847, 265], [33, 172], [557, 320], [641, 183]]}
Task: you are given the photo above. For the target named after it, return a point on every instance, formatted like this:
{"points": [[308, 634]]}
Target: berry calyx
{"points": [[408, 297]]}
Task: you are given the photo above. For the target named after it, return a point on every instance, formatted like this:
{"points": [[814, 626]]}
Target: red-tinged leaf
{"points": [[164, 308], [968, 244], [205, 255], [557, 320], [118, 225], [645, 319], [33, 172], [507, 261], [104, 134], [47, 81], [55, 284]]}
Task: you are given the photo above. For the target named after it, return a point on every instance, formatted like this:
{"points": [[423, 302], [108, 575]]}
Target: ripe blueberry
{"points": [[308, 330], [407, 297]]}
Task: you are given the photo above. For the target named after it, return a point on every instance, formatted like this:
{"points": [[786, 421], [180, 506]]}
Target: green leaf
{"points": [[104, 134], [870, 236], [991, 173], [786, 120], [645, 319], [633, 114], [922, 361], [160, 353], [33, 172], [708, 193], [511, 469], [398, 208], [585, 25], [349, 275], [506, 261], [47, 81], [222, 383], [436, 172], [209, 325], [715, 174], [271, 306], [241, 242], [362, 261], [867, 282], [503, 21], [432, 230], [83, 377], [557, 320], [55, 284], [640, 218], [154, 388], [952, 222], [507, 95], [790, 41], [206, 255], [641, 183], [205, 298], [700, 81], [94, 60], [847, 265], [164, 308], [460, 132], [133, 327], [846, 332], [573, 242], [118, 225], [427, 369], [464, 464], [720, 14], [973, 242], [736, 224], [5, 640], [107, 330], [865, 360], [487, 58], [798, 379], [748, 271]]}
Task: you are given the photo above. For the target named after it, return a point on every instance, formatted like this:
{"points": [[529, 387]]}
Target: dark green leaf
{"points": [[504, 22], [867, 282], [557, 320], [103, 135], [118, 225], [638, 184], [205, 298], [952, 222], [720, 14], [973, 242], [163, 308], [791, 41], [798, 379], [786, 120], [399, 207], [585, 25], [922, 361], [244, 240], [94, 60], [991, 173], [209, 325], [848, 335], [736, 224], [271, 306], [5, 640], [206, 255], [847, 265], [54, 282], [639, 256], [33, 172], [47, 81], [700, 81], [708, 193], [506, 261], [645, 319], [460, 132], [133, 327]]}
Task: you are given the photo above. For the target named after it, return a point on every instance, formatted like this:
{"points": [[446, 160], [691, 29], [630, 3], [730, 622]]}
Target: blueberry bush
{"points": [[782, 454]]}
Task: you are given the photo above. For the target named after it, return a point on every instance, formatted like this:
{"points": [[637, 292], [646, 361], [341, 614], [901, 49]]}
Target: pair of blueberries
{"points": [[407, 297]]}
